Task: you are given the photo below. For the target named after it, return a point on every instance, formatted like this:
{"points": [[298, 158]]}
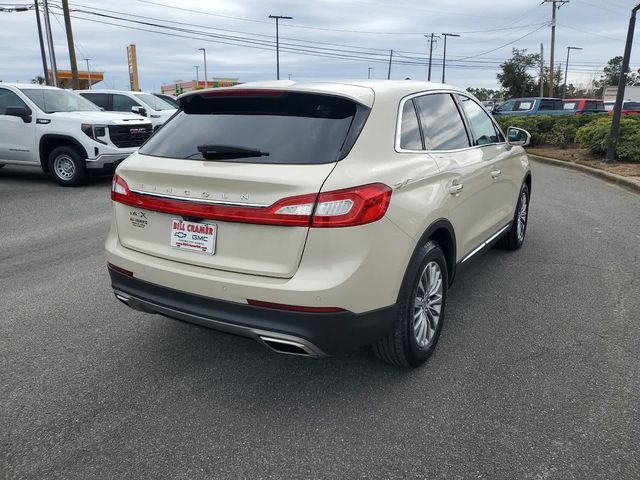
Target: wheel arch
{"points": [[442, 232], [49, 142]]}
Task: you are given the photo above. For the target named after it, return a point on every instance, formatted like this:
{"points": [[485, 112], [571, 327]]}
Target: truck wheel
{"points": [[67, 166]]}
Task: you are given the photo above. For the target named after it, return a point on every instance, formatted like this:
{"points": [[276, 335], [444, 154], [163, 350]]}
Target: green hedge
{"points": [[589, 131]]}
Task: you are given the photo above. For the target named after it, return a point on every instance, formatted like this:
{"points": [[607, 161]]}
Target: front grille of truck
{"points": [[124, 136]]}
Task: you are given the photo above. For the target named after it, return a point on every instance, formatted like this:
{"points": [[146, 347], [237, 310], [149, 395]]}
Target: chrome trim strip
{"points": [[485, 243], [199, 200], [145, 305]]}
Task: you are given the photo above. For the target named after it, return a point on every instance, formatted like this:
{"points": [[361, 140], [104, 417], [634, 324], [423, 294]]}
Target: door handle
{"points": [[496, 173], [456, 187]]}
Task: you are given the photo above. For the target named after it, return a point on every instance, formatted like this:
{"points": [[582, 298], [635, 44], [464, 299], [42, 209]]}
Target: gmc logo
{"points": [[136, 130]]}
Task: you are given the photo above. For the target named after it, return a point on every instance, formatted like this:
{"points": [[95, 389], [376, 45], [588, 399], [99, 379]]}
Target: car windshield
{"points": [[51, 101], [154, 102]]}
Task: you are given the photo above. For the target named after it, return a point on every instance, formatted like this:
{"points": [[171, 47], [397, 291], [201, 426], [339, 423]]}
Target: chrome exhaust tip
{"points": [[288, 347]]}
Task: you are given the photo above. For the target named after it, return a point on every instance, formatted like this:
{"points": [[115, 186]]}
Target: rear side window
{"points": [[525, 105], [410, 138], [482, 128], [594, 105], [100, 99], [279, 127], [442, 125]]}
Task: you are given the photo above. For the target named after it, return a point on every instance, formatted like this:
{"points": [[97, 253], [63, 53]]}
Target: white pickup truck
{"points": [[64, 134]]}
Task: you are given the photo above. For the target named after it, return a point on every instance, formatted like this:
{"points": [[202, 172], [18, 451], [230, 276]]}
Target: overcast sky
{"points": [[354, 28]]}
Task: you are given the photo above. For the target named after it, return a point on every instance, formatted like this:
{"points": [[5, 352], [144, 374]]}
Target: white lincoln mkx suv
{"points": [[316, 218]]}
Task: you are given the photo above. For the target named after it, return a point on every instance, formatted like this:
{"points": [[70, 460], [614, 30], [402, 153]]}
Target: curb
{"points": [[619, 180]]}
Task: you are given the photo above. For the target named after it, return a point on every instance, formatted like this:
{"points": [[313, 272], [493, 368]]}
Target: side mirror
{"points": [[139, 111], [518, 136], [23, 112]]}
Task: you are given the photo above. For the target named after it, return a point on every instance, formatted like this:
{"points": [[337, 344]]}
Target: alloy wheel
{"points": [[427, 304]]}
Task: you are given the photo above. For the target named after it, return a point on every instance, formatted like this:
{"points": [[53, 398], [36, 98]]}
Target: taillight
{"points": [[340, 208]]}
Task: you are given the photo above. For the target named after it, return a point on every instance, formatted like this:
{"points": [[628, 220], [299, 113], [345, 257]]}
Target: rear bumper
{"points": [[319, 334]]}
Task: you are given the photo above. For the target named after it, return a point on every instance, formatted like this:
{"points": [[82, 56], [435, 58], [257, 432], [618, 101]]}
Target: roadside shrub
{"points": [[556, 130], [595, 137]]}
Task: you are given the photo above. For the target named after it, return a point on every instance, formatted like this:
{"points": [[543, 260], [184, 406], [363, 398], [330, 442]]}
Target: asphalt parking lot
{"points": [[537, 373]]}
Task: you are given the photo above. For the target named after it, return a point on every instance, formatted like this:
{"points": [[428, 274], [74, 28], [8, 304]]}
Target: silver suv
{"points": [[316, 218]]}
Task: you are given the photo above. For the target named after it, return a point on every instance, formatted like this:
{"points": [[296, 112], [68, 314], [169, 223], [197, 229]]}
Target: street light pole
{"points": [[278, 17], [566, 70], [622, 82], [206, 81], [52, 53], [42, 52], [444, 54], [369, 72], [197, 76], [88, 71]]}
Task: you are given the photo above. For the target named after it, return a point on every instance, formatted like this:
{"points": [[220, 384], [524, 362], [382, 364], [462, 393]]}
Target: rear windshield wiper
{"points": [[211, 152]]}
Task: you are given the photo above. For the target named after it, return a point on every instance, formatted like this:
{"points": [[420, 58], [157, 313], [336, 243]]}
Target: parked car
{"points": [[583, 105], [628, 108], [299, 215], [532, 106], [64, 134], [171, 100], [140, 103]]}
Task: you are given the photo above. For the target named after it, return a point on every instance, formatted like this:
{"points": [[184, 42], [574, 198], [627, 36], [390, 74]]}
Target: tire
{"points": [[67, 166], [1, 165], [514, 237], [407, 345]]}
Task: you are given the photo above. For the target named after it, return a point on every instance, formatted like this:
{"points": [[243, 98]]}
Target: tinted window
{"points": [[293, 128], [507, 106], [100, 99], [9, 99], [631, 105], [442, 125], [594, 105], [410, 138], [122, 103], [482, 127]]}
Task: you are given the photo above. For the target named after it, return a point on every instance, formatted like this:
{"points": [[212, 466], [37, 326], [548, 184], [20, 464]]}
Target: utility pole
{"points": [[431, 36], [554, 9], [75, 84], [622, 83], [197, 67], [566, 70], [88, 71], [542, 70], [369, 72], [278, 17], [444, 54], [206, 78], [390, 60], [42, 51], [52, 53]]}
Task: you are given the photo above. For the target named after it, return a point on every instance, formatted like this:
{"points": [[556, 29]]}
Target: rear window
{"points": [[594, 105], [286, 127]]}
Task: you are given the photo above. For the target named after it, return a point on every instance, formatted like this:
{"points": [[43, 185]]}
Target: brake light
{"points": [[340, 208]]}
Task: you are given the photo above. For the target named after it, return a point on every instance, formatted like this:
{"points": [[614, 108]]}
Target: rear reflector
{"points": [[340, 208], [115, 268], [294, 308]]}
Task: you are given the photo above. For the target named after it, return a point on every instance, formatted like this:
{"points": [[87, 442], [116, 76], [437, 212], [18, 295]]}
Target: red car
{"points": [[628, 108], [583, 105]]}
